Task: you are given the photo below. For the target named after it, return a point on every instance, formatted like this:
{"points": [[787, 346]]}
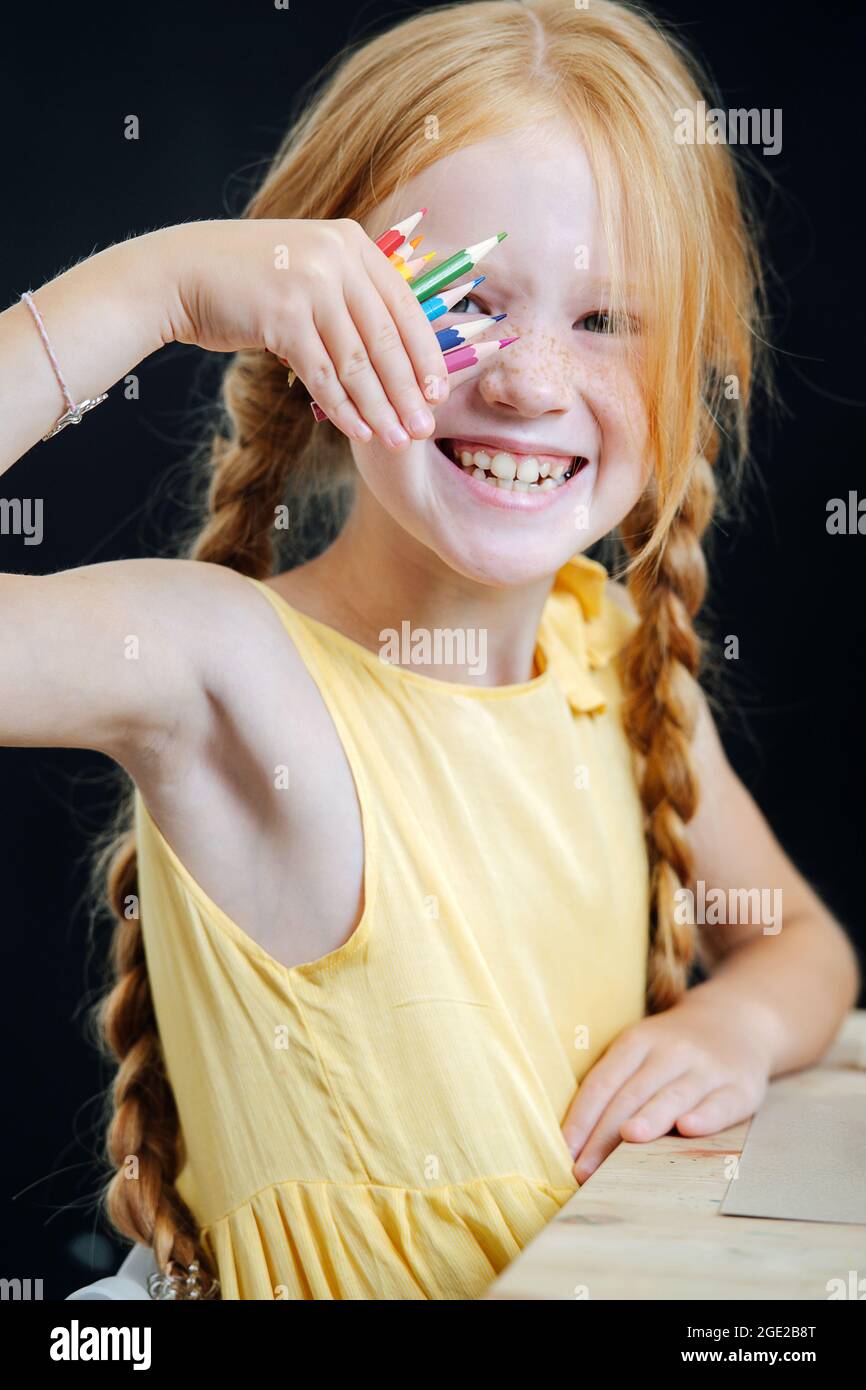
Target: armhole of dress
{"points": [[310, 653], [315, 658]]}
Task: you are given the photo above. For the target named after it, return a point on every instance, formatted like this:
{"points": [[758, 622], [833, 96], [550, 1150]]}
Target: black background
{"points": [[213, 86]]}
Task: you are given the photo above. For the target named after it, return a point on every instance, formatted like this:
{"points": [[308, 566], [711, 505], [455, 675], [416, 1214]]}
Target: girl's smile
{"points": [[493, 475]]}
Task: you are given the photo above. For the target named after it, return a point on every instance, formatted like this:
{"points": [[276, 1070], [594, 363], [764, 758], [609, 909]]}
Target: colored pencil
{"points": [[395, 236], [411, 268], [459, 333], [435, 279], [396, 259], [439, 304], [460, 358]]}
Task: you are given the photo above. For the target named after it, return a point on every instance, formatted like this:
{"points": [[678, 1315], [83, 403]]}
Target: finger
{"points": [[660, 1113], [384, 344], [636, 1091], [355, 370], [721, 1108], [600, 1084], [313, 365], [416, 331]]}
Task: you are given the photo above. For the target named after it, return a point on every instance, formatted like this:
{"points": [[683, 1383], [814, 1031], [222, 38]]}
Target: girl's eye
{"points": [[460, 306], [602, 321]]}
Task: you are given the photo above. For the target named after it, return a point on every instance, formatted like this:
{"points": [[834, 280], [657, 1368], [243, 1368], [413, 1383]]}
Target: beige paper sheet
{"points": [[804, 1159]]}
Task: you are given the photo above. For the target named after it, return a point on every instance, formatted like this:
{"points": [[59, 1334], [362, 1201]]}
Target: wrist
{"points": [[152, 278], [759, 1024]]}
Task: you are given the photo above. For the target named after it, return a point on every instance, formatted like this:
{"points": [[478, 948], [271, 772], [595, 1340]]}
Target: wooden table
{"points": [[646, 1224]]}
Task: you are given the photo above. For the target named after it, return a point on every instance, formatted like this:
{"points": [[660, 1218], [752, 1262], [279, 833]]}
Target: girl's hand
{"points": [[322, 295], [699, 1066]]}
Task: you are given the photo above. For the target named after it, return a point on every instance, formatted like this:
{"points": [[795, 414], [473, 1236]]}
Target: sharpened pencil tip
{"points": [[500, 236]]}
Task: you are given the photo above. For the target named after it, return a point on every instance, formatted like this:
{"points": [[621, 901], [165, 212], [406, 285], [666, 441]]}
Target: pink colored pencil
{"points": [[470, 354]]}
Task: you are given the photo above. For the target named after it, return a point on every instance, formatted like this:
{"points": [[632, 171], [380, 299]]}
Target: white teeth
{"points": [[503, 466], [528, 470], [523, 473]]}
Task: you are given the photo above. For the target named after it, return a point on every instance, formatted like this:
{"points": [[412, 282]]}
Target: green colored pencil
{"points": [[432, 281]]}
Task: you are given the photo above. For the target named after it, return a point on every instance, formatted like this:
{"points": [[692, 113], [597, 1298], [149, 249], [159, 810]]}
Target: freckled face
{"points": [[564, 388]]}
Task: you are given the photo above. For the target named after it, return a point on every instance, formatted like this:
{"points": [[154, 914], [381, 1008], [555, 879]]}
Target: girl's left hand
{"points": [[700, 1066]]}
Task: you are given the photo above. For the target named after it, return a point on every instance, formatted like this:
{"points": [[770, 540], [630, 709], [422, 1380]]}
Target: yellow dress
{"points": [[384, 1122]]}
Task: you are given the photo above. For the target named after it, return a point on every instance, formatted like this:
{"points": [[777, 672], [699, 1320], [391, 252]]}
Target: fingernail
{"points": [[436, 388], [421, 422], [397, 436], [362, 432]]}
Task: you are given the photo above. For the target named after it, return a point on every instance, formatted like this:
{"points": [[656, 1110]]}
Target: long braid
{"points": [[660, 666], [142, 1141], [249, 468]]}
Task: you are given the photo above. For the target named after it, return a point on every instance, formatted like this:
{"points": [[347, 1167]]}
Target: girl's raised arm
{"points": [[107, 656], [87, 660]]}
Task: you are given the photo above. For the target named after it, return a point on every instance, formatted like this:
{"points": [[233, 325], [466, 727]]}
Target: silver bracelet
{"points": [[186, 1284], [73, 413]]}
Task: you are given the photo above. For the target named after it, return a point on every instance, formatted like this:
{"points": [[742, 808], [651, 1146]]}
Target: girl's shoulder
{"points": [[216, 616], [214, 595], [173, 587]]}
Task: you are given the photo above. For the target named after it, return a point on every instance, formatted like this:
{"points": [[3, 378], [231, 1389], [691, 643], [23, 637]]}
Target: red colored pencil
{"points": [[393, 239]]}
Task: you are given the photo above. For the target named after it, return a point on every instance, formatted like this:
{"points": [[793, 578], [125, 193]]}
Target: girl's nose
{"points": [[535, 375]]}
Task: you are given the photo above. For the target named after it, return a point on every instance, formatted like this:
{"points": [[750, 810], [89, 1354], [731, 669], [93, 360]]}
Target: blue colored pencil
{"points": [[459, 333], [439, 304]]}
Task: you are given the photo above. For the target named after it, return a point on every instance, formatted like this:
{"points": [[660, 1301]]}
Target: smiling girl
{"points": [[402, 952]]}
